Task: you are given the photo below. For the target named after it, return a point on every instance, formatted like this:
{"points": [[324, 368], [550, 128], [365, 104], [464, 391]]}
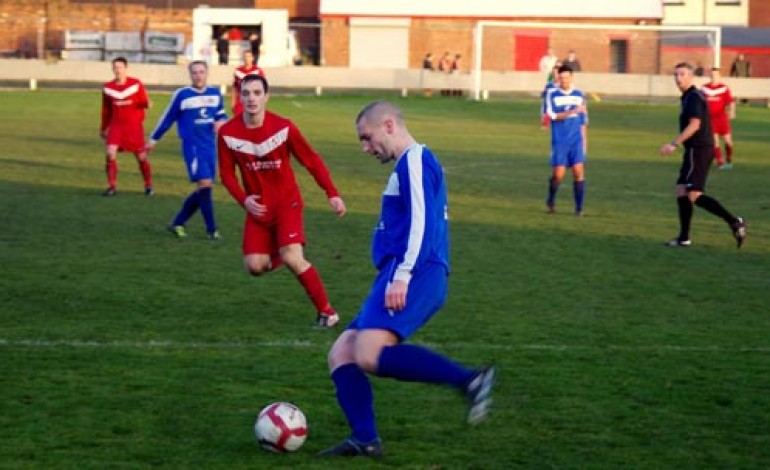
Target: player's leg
{"points": [[576, 161], [729, 149], [205, 174], [696, 195], [683, 203], [260, 254], [557, 175], [380, 348], [136, 144], [111, 169], [356, 400], [718, 151], [307, 275], [290, 237]]}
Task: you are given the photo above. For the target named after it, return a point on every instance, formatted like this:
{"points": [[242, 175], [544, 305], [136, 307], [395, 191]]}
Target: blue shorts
{"points": [[426, 295], [567, 154], [200, 161]]}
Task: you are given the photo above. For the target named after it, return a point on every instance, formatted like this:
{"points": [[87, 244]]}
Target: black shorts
{"points": [[696, 162]]}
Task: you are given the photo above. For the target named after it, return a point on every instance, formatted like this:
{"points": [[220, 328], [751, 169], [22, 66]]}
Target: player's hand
{"points": [[667, 149], [149, 147], [253, 207], [395, 296], [338, 205]]}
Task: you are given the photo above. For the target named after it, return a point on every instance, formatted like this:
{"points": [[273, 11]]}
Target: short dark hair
{"points": [[565, 68], [198, 62], [120, 59], [254, 77], [684, 65]]}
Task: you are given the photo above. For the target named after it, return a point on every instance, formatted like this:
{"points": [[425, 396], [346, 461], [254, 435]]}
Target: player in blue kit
{"points": [[566, 107], [198, 111], [410, 249]]}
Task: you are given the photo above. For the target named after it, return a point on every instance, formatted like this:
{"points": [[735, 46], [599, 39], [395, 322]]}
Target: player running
{"points": [[260, 143], [198, 111], [567, 109], [721, 109], [124, 100]]}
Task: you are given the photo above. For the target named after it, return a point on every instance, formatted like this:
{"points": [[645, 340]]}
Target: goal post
{"points": [[517, 46]]}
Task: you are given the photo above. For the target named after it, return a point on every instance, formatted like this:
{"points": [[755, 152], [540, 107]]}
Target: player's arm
{"points": [[227, 174], [166, 120], [310, 159], [106, 115], [730, 108], [220, 116], [692, 127], [143, 100]]}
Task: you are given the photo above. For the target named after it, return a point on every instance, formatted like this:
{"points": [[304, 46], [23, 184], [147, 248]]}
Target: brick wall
{"points": [[759, 14], [20, 20]]}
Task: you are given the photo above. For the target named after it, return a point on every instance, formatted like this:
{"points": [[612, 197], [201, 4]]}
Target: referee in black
{"points": [[696, 137]]}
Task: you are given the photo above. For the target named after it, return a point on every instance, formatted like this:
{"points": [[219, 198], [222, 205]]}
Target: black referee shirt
{"points": [[694, 106]]}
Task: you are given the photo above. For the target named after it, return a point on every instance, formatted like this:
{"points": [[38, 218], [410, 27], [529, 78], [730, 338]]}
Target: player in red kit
{"points": [[249, 67], [721, 108], [260, 144], [124, 100]]}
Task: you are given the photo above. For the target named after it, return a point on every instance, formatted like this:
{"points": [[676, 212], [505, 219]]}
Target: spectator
{"points": [[427, 62], [427, 66], [255, 42], [572, 61], [235, 34], [547, 62], [699, 72], [445, 65], [455, 68], [223, 48], [740, 67]]}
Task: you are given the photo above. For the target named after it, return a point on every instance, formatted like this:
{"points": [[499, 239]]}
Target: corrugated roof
{"points": [[649, 9]]}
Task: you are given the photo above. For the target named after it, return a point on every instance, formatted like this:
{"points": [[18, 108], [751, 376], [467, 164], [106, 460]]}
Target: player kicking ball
{"points": [[410, 249]]}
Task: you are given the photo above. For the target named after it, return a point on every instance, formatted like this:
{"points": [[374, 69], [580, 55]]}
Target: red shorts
{"points": [[720, 125], [127, 138], [286, 228]]}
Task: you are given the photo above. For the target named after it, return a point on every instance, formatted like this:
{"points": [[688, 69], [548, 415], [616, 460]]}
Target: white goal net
{"points": [[514, 46]]}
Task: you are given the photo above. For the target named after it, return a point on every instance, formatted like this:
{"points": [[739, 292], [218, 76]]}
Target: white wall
{"points": [[706, 12], [275, 31]]}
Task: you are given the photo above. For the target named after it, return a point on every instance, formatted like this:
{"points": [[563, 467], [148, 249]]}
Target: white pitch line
{"points": [[306, 344]]}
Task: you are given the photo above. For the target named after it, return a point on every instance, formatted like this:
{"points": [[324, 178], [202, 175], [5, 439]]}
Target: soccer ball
{"points": [[281, 427]]}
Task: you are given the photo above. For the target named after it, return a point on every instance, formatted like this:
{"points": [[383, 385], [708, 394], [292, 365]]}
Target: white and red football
{"points": [[281, 427]]}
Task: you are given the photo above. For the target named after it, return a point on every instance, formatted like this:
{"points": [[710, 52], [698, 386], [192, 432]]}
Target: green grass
{"points": [[123, 347]]}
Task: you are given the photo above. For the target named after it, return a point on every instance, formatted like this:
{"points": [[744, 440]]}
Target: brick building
{"points": [[398, 33]]}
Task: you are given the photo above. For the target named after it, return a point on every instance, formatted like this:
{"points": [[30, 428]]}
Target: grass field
{"points": [[125, 348]]}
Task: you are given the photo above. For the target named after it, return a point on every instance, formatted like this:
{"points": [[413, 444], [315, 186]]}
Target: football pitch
{"points": [[123, 347]]}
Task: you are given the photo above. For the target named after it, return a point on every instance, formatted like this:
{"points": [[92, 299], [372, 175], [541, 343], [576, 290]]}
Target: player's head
{"points": [[380, 128], [120, 67], [683, 75], [716, 75], [254, 94], [564, 77], [198, 73]]}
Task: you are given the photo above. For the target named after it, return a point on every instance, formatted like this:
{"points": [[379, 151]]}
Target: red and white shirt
{"points": [[718, 97], [263, 157], [123, 105]]}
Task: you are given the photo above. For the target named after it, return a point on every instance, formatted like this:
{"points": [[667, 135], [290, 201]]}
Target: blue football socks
{"points": [[579, 191], [189, 207], [414, 363], [207, 209], [354, 394]]}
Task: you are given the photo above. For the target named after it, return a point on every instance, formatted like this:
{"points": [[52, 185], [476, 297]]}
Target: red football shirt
{"points": [[718, 97], [263, 157], [123, 105]]}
